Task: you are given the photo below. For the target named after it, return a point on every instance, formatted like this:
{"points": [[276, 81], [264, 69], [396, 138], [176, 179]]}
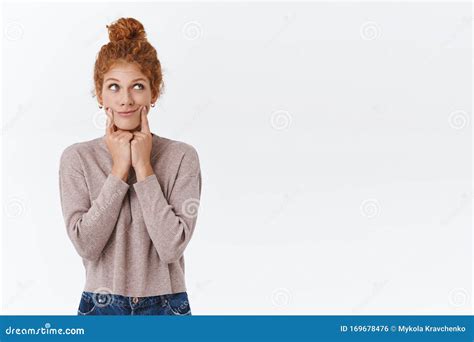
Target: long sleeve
{"points": [[89, 226], [171, 224]]}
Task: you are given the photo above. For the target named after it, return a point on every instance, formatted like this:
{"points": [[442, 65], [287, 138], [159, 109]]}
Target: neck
{"points": [[137, 129]]}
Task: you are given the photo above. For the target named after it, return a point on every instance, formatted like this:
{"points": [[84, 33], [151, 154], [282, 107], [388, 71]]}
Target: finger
{"points": [[110, 126], [144, 120], [108, 118], [125, 135]]}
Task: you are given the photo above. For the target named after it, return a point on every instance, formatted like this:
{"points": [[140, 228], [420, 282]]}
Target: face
{"points": [[125, 90]]}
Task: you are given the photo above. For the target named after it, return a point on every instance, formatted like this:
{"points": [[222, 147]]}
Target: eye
{"points": [[113, 84], [140, 86]]}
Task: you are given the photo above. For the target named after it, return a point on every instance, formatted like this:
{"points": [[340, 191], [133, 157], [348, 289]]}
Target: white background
{"points": [[334, 140]]}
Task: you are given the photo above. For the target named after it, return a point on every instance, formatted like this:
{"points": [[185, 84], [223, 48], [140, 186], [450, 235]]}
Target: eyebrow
{"points": [[114, 79]]}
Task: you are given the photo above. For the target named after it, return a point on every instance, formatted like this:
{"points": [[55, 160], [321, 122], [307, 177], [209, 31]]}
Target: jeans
{"points": [[110, 304]]}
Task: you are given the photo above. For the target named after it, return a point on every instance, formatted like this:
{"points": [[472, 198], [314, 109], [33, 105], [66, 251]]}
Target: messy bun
{"points": [[126, 28], [128, 43]]}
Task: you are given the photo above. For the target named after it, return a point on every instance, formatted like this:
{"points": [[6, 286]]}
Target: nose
{"points": [[126, 100]]}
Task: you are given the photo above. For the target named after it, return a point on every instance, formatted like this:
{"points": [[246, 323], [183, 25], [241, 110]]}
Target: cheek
{"points": [[142, 97], [106, 97]]}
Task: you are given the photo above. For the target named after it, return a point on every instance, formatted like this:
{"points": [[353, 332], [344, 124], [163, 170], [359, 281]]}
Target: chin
{"points": [[126, 126]]}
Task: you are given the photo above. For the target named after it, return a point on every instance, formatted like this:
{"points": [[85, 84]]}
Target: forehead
{"points": [[124, 71]]}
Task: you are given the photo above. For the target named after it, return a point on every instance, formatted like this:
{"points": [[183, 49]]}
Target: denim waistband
{"points": [[115, 299]]}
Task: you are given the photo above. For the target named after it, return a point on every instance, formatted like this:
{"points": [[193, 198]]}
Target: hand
{"points": [[141, 147], [118, 143]]}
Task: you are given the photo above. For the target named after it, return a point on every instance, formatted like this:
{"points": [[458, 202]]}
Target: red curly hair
{"points": [[128, 43]]}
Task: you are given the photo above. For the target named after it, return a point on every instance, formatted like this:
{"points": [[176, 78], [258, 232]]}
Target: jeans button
{"points": [[135, 300]]}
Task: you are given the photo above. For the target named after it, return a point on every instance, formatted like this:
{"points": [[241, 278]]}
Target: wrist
{"points": [[142, 171], [120, 172]]}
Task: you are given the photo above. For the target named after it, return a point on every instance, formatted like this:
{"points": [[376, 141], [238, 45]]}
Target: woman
{"points": [[130, 198]]}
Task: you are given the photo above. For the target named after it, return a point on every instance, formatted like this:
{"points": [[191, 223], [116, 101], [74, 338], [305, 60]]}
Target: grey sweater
{"points": [[131, 235]]}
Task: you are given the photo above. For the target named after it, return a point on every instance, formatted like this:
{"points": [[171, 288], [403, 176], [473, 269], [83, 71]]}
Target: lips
{"points": [[126, 114]]}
